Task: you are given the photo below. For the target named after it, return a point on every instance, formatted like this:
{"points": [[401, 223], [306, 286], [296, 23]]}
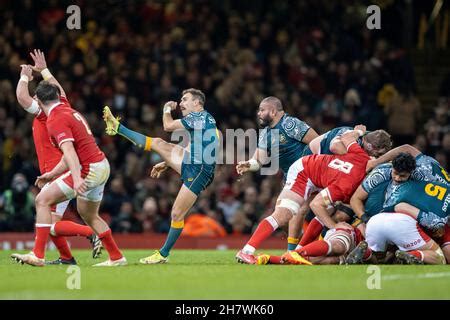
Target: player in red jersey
{"points": [[89, 170], [48, 157], [337, 175]]}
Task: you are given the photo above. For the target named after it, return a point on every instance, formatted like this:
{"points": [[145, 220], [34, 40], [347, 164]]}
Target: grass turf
{"points": [[210, 274]]}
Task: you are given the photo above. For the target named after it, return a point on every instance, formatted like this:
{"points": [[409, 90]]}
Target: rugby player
{"points": [[195, 166], [338, 175], [86, 167], [48, 157], [283, 136]]}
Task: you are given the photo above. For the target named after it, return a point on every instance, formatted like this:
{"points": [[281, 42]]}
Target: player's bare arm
{"points": [[169, 124], [310, 136], [338, 147], [253, 164], [40, 65], [73, 163], [357, 201], [319, 206], [22, 93], [391, 155], [58, 170]]}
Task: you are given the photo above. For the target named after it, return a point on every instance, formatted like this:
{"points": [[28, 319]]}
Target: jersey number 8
{"points": [[340, 165]]}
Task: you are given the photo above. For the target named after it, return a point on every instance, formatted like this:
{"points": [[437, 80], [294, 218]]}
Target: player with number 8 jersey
{"points": [[337, 176]]}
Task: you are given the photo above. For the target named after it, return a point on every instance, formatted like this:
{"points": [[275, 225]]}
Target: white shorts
{"points": [[397, 229], [95, 181]]}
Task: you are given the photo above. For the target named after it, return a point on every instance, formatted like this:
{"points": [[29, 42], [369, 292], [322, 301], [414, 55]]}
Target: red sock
{"points": [[69, 229], [263, 231], [317, 248], [110, 245], [62, 246], [367, 254], [275, 260], [40, 242], [314, 229], [417, 253]]}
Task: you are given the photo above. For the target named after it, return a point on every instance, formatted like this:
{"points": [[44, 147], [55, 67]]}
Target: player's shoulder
{"points": [[294, 127], [379, 174]]}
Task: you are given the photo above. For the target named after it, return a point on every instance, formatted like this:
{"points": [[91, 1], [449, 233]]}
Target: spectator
{"points": [[17, 204]]}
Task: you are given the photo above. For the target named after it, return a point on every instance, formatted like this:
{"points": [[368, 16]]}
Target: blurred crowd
{"points": [[317, 56]]}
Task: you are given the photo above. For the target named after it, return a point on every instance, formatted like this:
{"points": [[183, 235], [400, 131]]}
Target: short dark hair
{"points": [[47, 92], [273, 101], [197, 94], [404, 162]]}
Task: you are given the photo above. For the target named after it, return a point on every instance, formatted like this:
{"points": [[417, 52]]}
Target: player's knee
{"points": [[177, 215], [42, 200], [338, 248], [282, 216]]}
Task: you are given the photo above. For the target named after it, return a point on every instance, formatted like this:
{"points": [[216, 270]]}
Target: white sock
{"points": [[248, 249]]}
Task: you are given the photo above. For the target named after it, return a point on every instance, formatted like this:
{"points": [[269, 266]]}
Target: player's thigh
{"points": [[376, 233], [171, 153], [51, 194], [183, 203]]}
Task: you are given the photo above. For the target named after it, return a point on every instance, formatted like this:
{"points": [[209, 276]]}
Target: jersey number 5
{"points": [[80, 118], [340, 165], [435, 191]]}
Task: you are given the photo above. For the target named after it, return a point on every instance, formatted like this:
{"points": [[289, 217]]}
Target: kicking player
{"points": [[87, 175], [195, 166], [48, 157], [338, 175], [284, 136]]}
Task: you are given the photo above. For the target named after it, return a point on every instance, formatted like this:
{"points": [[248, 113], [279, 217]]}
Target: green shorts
{"points": [[197, 177]]}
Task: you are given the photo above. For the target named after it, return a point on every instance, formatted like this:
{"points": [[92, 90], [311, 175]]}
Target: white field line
{"points": [[431, 275]]}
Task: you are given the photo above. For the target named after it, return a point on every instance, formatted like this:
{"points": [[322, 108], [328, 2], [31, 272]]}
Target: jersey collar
{"points": [[53, 106]]}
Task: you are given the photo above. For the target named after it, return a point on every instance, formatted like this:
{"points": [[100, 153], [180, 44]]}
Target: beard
{"points": [[264, 122]]}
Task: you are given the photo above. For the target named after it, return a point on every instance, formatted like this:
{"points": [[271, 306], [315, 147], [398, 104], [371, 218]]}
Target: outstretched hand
{"points": [[39, 60], [26, 70]]}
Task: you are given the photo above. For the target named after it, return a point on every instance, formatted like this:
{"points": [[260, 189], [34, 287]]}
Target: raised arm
{"points": [[40, 65], [169, 124], [22, 93], [390, 155]]}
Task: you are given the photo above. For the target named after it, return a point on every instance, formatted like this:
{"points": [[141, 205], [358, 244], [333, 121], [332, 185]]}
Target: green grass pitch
{"points": [[210, 274]]}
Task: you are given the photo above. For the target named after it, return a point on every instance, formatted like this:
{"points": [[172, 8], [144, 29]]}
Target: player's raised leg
{"points": [[171, 153]]}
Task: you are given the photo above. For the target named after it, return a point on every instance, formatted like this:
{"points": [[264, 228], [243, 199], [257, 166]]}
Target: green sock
{"points": [[175, 230]]}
